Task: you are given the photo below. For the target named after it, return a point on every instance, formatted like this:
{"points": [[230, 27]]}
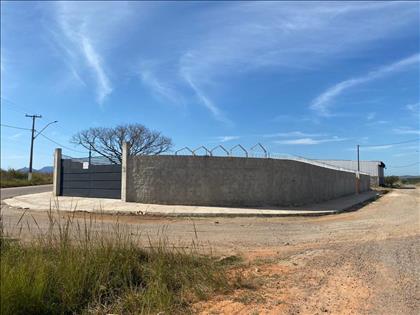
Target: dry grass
{"points": [[14, 178], [71, 268]]}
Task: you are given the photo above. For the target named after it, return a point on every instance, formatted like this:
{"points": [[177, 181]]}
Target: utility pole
{"points": [[32, 143], [358, 158], [90, 154], [358, 170]]}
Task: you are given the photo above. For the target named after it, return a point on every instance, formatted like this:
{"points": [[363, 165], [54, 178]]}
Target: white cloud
{"points": [[244, 37], [406, 131], [83, 32], [371, 116], [15, 136], [377, 123], [375, 148], [293, 134], [217, 113], [95, 62], [310, 141], [405, 154], [160, 88], [149, 79], [226, 138], [414, 108], [230, 39], [322, 103]]}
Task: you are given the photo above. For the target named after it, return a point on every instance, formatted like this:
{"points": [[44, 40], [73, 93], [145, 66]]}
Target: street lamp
{"points": [[53, 122], [32, 146]]}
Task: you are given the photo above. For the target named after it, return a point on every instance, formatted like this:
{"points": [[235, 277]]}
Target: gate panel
{"points": [[97, 181]]}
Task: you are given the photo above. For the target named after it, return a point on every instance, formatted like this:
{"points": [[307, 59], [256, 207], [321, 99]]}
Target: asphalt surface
{"points": [[25, 190]]}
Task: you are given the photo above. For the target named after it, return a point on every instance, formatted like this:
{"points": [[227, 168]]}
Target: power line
{"points": [[400, 166], [12, 108], [10, 103], [40, 134], [17, 108], [59, 144], [14, 127], [385, 144]]}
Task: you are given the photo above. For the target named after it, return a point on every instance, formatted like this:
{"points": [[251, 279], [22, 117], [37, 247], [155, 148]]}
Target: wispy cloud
{"points": [[371, 116], [15, 136], [375, 148], [404, 154], [217, 113], [414, 108], [296, 118], [226, 138], [310, 141], [373, 123], [83, 31], [406, 131], [271, 35], [293, 134], [322, 103], [160, 88], [95, 62]]}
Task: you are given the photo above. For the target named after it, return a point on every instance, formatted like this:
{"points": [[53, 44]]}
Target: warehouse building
{"points": [[374, 168]]}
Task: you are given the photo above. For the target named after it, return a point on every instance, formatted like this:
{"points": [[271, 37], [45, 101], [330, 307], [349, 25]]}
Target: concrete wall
{"points": [[57, 172], [374, 168], [233, 181]]}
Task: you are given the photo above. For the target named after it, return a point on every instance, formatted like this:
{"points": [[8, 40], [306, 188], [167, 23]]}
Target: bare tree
{"points": [[108, 142]]}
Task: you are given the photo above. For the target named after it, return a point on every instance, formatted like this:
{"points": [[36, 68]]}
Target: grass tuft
{"points": [[73, 269]]}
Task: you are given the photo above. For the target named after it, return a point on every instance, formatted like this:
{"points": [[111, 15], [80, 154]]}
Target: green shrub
{"points": [[14, 178], [390, 181]]}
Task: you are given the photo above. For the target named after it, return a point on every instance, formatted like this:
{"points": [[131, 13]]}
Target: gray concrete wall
{"points": [[373, 168], [57, 172], [233, 181]]}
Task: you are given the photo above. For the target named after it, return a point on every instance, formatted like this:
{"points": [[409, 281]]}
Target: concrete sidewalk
{"points": [[45, 201]]}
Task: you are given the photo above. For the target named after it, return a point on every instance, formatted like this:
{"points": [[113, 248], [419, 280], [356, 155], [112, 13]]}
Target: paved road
{"points": [[17, 191]]}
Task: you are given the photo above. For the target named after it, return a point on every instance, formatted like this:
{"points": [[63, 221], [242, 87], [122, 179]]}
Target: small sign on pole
{"points": [[85, 165]]}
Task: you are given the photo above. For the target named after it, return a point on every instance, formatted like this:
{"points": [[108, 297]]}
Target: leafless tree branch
{"points": [[108, 142]]}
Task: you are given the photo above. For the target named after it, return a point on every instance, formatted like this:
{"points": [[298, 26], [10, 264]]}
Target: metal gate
{"points": [[83, 179]]}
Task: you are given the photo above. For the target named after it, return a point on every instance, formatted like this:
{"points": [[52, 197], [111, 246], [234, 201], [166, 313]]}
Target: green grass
{"points": [[72, 270], [411, 180], [14, 178]]}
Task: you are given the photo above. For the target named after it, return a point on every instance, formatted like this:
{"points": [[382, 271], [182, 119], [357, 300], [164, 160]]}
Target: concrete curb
{"points": [[315, 213], [44, 202]]}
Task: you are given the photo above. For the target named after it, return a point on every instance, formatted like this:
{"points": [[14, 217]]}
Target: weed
{"points": [[73, 268]]}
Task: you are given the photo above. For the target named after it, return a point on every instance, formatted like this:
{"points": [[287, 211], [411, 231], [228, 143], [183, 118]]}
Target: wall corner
{"points": [[57, 172], [124, 169]]}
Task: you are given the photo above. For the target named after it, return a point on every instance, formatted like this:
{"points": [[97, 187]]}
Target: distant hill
{"points": [[45, 169]]}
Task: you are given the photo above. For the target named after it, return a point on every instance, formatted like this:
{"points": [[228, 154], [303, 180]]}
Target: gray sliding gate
{"points": [[81, 179]]}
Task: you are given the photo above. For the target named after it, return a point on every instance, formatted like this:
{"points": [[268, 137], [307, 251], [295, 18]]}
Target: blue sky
{"points": [[310, 79]]}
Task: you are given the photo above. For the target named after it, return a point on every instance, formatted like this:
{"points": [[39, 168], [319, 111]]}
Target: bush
{"points": [[75, 271], [390, 181], [14, 178]]}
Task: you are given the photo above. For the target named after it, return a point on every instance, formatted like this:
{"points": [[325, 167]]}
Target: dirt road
{"points": [[363, 262]]}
